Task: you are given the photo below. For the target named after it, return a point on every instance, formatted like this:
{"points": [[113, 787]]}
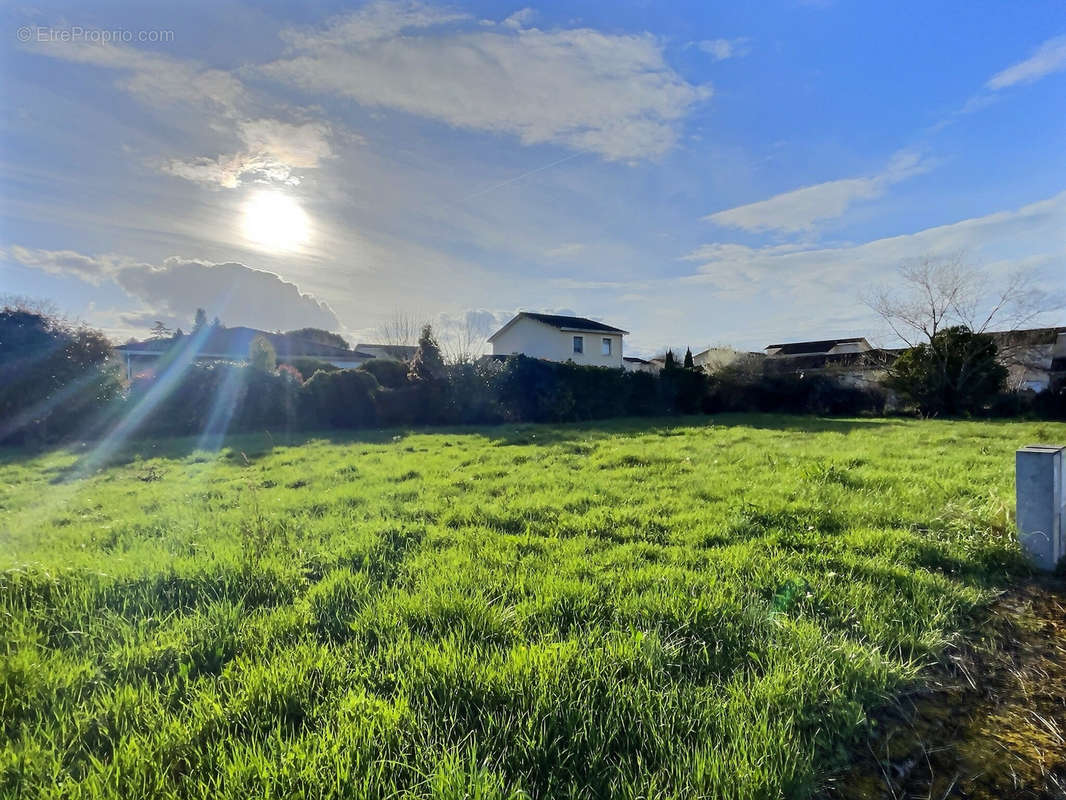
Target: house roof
{"points": [[821, 346], [635, 360], [401, 352], [1027, 337], [234, 343], [563, 323]]}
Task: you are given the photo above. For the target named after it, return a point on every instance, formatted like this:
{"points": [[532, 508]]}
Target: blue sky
{"points": [[698, 176]]}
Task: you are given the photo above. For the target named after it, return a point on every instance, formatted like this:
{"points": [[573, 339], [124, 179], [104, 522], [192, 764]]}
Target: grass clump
{"points": [[629, 609]]}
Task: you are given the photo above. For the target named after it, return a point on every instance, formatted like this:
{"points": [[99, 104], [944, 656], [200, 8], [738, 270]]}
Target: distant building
{"points": [[715, 358], [1033, 358], [635, 364], [852, 361], [823, 347], [396, 352], [218, 343], [555, 337]]}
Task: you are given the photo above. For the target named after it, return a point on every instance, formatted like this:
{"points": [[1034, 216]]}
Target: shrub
{"points": [[215, 399], [344, 399], [261, 354], [390, 374], [1051, 403], [472, 392], [308, 366], [54, 377], [955, 372], [428, 363]]}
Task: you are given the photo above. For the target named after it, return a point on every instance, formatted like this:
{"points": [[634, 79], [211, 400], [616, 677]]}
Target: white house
{"points": [[558, 338]]}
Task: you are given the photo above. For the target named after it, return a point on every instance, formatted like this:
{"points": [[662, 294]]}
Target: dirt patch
{"points": [[991, 724]]}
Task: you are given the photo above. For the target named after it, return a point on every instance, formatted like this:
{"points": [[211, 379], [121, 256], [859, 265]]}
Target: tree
{"points": [[261, 354], [319, 336], [54, 375], [199, 321], [937, 293], [941, 294], [688, 359], [670, 362], [956, 372], [467, 340], [400, 329], [428, 364], [160, 331]]}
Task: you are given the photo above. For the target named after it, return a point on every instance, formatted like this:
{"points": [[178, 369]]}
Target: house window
{"points": [[605, 346], [579, 344]]}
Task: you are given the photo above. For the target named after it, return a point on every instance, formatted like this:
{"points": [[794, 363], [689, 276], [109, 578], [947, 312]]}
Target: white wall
{"points": [[538, 340]]}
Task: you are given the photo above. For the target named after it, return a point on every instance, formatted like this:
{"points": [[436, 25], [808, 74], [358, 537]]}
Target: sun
{"points": [[274, 221]]}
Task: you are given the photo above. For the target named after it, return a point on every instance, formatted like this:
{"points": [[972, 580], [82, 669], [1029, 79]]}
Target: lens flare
{"points": [[275, 221]]}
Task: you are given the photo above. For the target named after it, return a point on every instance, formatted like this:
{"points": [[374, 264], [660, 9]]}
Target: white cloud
{"points": [[92, 269], [155, 79], [565, 252], [801, 209], [239, 294], [1034, 232], [520, 18], [274, 150], [722, 49], [610, 94], [1049, 58], [376, 21]]}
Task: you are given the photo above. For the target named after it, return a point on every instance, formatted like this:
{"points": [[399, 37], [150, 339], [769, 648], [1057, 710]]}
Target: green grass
{"points": [[644, 609]]}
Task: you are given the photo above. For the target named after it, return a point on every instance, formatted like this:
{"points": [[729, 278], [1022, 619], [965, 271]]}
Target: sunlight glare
{"points": [[274, 221]]}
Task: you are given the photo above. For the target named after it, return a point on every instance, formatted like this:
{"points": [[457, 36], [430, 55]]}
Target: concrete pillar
{"points": [[1041, 523]]}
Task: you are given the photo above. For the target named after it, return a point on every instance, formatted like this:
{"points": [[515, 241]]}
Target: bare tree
{"points": [[937, 293], [943, 296], [402, 328], [466, 341]]}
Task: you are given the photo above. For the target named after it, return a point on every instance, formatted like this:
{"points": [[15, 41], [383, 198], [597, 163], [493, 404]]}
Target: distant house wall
{"points": [[539, 340], [639, 365]]}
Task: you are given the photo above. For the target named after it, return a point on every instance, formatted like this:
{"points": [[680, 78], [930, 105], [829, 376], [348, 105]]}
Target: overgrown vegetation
{"points": [[653, 608]]}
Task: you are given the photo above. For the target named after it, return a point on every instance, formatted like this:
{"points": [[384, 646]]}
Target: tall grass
{"points": [[634, 609]]}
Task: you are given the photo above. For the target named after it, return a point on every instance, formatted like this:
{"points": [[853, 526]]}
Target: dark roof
{"points": [[1030, 336], [580, 323], [635, 360], [822, 346], [234, 343]]}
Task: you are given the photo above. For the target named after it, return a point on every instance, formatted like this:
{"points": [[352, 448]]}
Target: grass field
{"points": [[665, 608]]}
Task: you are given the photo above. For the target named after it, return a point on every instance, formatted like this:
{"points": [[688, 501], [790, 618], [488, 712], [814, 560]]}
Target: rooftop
{"points": [[234, 343], [562, 322]]}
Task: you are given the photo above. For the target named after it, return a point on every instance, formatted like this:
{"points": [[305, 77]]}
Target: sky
{"points": [[704, 176]]}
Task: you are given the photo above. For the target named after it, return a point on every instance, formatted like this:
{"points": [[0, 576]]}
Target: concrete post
{"points": [[1040, 477]]}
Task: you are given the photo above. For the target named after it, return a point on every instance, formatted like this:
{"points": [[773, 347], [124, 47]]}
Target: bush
{"points": [[1051, 403], [343, 399], [261, 354], [956, 372], [472, 393], [308, 366], [215, 399], [55, 378], [748, 390], [390, 374]]}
